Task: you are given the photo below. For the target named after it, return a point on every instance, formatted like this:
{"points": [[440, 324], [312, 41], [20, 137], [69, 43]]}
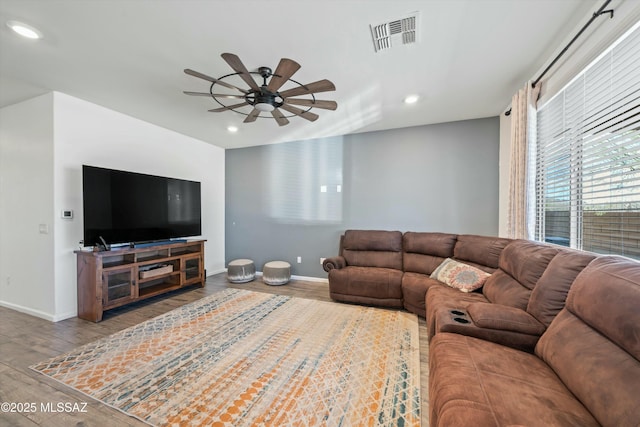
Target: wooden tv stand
{"points": [[113, 278]]}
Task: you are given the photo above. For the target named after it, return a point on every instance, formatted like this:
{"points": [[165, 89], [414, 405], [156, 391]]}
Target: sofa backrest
{"points": [[521, 264], [373, 248], [593, 344], [424, 252], [550, 293], [480, 251]]}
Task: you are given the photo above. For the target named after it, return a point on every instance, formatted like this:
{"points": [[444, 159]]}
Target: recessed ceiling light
{"points": [[24, 30], [232, 129], [411, 99]]}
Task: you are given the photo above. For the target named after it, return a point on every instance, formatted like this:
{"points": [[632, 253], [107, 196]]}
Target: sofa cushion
{"points": [[372, 240], [503, 317], [593, 344], [424, 252], [373, 248], [525, 261], [473, 382], [460, 276], [503, 289], [550, 293], [367, 285], [414, 291], [521, 263], [480, 251]]}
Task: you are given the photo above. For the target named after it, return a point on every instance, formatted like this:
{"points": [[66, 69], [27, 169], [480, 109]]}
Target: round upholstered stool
{"points": [[241, 270], [276, 273]]}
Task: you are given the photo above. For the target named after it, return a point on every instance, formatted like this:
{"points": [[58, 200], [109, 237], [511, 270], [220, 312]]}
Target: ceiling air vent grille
{"points": [[395, 33], [395, 27]]}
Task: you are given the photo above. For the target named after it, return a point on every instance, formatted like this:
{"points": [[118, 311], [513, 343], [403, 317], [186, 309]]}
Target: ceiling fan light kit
{"points": [[264, 107], [267, 98]]}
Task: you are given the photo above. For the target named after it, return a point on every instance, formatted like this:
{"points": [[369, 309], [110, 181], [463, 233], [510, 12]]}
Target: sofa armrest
{"points": [[505, 318], [336, 262]]}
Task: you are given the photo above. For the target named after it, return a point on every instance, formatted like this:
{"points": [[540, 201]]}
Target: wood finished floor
{"points": [[25, 340]]}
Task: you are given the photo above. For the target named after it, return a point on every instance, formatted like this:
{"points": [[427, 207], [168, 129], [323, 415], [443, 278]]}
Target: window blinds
{"points": [[588, 156]]}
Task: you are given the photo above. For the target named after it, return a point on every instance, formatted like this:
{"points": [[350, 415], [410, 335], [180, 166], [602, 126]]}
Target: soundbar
{"points": [[157, 243]]}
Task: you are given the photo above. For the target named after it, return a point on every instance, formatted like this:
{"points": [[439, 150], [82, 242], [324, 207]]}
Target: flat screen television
{"points": [[128, 207]]}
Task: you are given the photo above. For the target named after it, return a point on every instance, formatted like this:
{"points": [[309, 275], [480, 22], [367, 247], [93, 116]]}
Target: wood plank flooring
{"points": [[26, 340]]}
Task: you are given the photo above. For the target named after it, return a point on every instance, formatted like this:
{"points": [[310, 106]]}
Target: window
{"points": [[588, 156]]}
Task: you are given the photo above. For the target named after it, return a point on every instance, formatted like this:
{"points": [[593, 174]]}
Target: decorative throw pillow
{"points": [[460, 276]]}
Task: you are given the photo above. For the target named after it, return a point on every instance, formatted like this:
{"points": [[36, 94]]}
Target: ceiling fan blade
{"points": [[315, 87], [280, 118], [253, 115], [286, 68], [228, 107], [217, 95], [327, 105], [235, 63], [226, 95], [196, 93], [312, 117], [212, 80]]}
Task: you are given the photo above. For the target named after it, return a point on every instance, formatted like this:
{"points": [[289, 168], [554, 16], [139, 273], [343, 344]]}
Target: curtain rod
{"points": [[595, 16]]}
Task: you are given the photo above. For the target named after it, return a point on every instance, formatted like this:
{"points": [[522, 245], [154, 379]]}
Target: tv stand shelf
{"points": [[111, 279]]}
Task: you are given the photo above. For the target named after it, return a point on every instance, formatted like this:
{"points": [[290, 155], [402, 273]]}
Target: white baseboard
{"points": [[64, 316], [213, 272], [307, 278], [30, 311], [296, 277], [310, 278]]}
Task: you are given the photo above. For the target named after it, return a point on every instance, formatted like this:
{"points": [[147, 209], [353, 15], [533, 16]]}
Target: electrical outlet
{"points": [[322, 261], [299, 259]]}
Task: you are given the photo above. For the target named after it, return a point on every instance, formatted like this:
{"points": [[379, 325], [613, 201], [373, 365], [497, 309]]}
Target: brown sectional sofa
{"points": [[510, 353], [585, 370]]}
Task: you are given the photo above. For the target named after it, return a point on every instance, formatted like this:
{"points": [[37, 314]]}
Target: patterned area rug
{"points": [[240, 358]]}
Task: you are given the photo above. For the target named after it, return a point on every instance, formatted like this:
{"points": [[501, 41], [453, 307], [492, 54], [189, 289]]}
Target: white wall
{"points": [[597, 38], [83, 133], [26, 201]]}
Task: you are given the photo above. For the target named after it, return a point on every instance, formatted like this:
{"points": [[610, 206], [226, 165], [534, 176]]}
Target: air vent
{"points": [[395, 33], [395, 27]]}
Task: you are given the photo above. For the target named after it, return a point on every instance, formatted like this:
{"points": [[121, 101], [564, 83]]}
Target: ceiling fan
{"points": [[266, 98]]}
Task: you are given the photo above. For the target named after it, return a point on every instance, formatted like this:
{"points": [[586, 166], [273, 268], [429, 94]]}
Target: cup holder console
{"points": [[459, 316]]}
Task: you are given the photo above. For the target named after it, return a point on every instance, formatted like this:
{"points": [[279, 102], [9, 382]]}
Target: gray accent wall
{"points": [[295, 199]]}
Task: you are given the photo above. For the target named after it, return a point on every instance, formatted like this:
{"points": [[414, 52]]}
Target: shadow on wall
{"points": [[305, 182]]}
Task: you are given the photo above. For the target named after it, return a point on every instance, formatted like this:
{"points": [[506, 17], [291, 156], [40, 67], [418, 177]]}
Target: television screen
{"points": [[127, 207]]}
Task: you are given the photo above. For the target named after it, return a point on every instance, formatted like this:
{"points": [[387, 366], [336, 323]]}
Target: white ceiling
{"points": [[129, 56]]}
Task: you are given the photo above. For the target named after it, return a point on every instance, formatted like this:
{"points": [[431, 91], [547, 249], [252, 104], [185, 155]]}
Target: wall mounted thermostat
{"points": [[67, 214]]}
